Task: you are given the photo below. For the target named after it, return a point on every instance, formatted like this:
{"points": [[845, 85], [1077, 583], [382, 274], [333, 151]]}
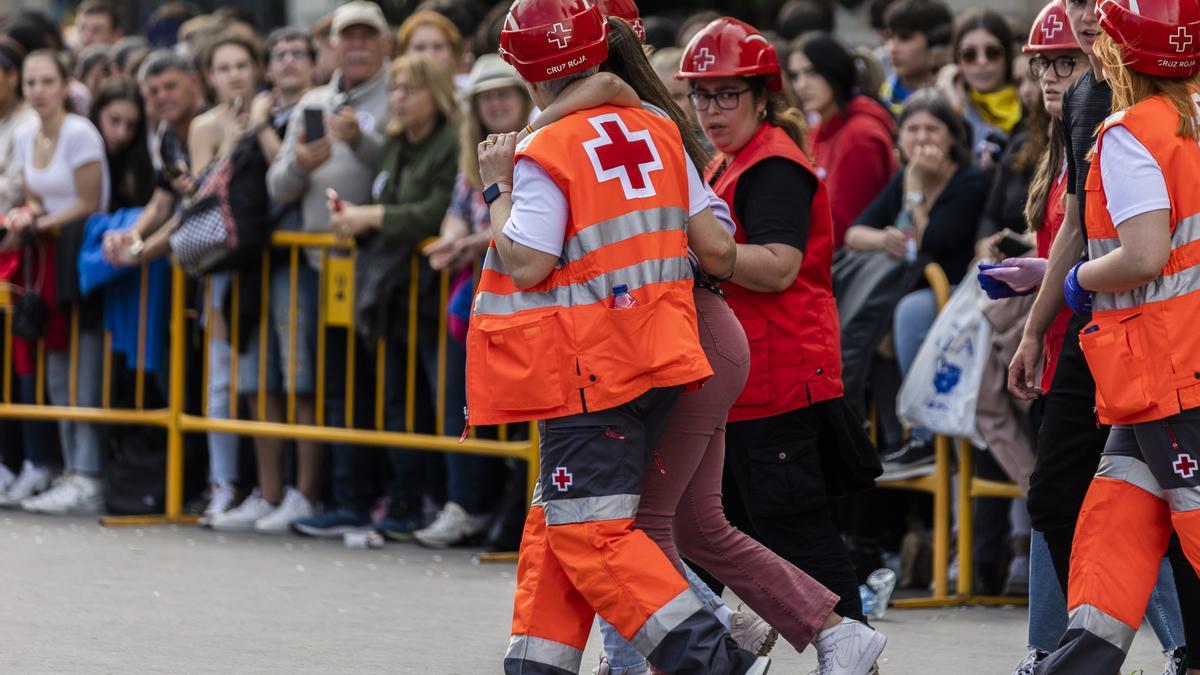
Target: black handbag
{"points": [[29, 311]]}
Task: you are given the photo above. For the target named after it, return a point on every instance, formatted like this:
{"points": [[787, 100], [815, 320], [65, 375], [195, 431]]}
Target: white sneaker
{"points": [[221, 497], [6, 478], [31, 481], [244, 516], [751, 632], [452, 526], [849, 648], [293, 507], [73, 495]]}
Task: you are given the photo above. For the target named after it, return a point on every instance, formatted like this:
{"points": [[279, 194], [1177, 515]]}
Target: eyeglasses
{"points": [[1063, 66], [726, 100], [990, 53], [293, 54]]}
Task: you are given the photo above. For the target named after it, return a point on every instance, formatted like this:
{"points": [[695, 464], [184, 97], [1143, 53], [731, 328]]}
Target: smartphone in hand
{"points": [[314, 124]]}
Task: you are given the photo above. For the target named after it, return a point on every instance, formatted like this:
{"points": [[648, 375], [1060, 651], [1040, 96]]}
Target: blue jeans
{"points": [[279, 339], [222, 448], [914, 316], [1048, 607], [81, 441], [37, 438], [623, 659]]}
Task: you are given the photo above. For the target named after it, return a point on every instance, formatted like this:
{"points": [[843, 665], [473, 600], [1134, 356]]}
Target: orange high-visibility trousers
{"points": [[581, 556], [1145, 487]]}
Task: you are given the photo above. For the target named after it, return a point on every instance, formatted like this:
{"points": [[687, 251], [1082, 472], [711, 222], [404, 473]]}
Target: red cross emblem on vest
{"points": [[624, 155], [1185, 466], [562, 478]]}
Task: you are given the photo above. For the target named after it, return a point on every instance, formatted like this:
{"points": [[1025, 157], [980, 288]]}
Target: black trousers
{"points": [[1069, 445], [774, 491]]}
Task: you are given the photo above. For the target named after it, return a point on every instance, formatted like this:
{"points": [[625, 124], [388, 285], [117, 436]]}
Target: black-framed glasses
{"points": [[726, 100], [990, 53], [1063, 65]]}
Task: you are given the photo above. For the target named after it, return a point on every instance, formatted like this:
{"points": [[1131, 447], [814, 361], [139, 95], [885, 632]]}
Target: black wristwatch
{"points": [[491, 193]]}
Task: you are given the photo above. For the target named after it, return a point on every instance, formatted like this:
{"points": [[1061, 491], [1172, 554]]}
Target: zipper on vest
{"points": [[466, 426], [582, 398]]}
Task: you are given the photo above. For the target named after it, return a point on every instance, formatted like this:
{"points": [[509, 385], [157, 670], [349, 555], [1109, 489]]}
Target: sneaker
{"points": [[1017, 582], [849, 648], [243, 517], [914, 458], [221, 497], [293, 507], [452, 526], [603, 668], [751, 632], [333, 523], [6, 478], [31, 481], [881, 582], [73, 495], [399, 528], [1030, 662], [760, 666], [1176, 662]]}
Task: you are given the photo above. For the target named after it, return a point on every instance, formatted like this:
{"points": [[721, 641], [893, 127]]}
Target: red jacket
{"points": [[855, 156], [795, 341]]}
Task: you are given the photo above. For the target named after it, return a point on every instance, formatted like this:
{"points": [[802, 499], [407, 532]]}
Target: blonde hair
{"points": [[428, 17], [1130, 87], [422, 71], [472, 133]]}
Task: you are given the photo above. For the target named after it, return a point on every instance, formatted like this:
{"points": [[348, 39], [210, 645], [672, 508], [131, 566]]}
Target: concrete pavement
{"points": [[79, 598]]}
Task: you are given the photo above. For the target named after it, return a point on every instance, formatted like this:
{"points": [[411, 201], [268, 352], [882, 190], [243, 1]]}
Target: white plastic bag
{"points": [[942, 387]]}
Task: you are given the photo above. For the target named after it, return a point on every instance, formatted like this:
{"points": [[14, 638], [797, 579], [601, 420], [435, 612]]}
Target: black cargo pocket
{"points": [[785, 478]]}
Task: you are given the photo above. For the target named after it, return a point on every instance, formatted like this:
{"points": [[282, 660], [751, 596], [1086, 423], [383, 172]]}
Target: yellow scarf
{"points": [[1001, 109]]}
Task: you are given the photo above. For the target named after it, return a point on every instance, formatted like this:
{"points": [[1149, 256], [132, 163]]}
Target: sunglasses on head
{"points": [[990, 53]]}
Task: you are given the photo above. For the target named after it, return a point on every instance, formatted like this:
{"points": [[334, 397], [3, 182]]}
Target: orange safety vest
{"points": [[1142, 345], [561, 348]]}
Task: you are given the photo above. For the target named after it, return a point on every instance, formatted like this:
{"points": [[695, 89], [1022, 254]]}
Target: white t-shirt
{"points": [[1124, 161], [540, 210], [78, 144]]}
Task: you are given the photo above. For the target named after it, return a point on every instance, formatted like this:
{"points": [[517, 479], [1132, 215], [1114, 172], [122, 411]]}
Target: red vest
{"points": [[795, 337]]}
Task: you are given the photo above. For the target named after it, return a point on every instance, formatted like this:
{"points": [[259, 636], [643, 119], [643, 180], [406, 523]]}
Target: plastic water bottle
{"points": [[869, 599], [622, 299]]}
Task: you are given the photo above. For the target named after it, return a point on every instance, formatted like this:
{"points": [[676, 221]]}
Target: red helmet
{"points": [[549, 39], [627, 10], [1051, 31], [1157, 37], [730, 48]]}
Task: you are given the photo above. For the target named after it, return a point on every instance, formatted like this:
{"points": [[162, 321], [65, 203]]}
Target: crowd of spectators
{"points": [[108, 135]]}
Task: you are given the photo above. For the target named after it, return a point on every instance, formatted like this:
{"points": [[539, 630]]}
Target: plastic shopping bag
{"points": [[942, 387]]}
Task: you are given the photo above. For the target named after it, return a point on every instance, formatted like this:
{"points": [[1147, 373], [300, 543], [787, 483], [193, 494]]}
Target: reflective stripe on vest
{"points": [[1180, 276], [589, 292]]}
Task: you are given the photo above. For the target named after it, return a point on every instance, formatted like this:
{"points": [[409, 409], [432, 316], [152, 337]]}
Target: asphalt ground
{"points": [[79, 598]]}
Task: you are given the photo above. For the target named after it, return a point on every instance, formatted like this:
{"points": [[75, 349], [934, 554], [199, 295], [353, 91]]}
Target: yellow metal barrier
{"points": [[335, 309], [938, 484]]}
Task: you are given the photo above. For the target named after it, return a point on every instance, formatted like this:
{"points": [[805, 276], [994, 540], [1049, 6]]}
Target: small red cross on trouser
{"points": [[1185, 466], [562, 478]]}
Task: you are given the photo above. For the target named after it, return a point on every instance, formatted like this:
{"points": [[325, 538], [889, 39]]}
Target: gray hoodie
{"points": [[349, 170]]}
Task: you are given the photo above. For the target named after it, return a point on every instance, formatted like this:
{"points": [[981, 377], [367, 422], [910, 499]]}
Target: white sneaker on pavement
{"points": [[293, 507], [751, 632], [221, 497], [6, 478], [31, 481], [849, 648], [73, 495], [452, 526], [243, 516]]}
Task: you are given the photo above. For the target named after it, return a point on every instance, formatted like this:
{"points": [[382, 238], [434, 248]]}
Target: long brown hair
{"points": [[1130, 87], [472, 133], [1048, 167], [782, 112], [1029, 155], [421, 71], [627, 60]]}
